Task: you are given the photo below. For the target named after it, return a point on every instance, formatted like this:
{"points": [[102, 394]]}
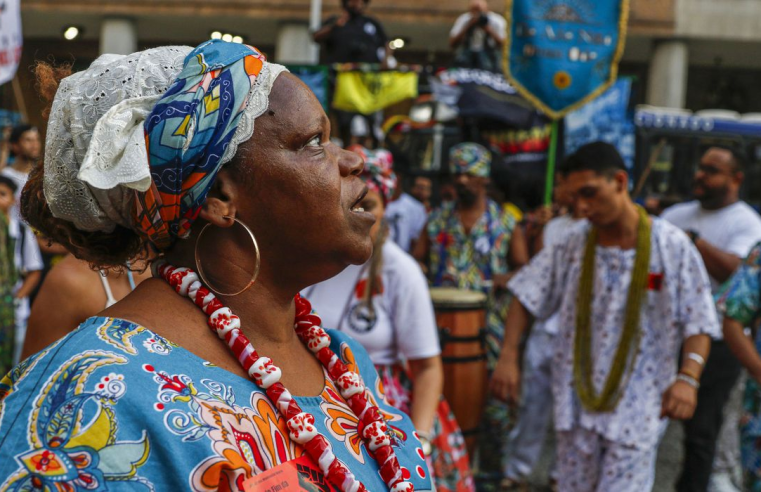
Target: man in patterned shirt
{"points": [[630, 290], [471, 244]]}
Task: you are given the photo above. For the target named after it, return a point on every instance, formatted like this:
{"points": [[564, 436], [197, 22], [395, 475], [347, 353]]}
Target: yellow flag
{"points": [[368, 92]]}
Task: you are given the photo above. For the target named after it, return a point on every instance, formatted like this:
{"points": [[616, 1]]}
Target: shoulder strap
{"points": [[110, 300]]}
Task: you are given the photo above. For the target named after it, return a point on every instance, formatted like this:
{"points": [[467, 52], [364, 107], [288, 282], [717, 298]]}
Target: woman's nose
{"points": [[350, 163]]}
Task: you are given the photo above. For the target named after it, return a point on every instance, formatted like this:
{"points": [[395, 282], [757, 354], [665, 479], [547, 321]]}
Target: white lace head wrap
{"points": [[95, 153]]}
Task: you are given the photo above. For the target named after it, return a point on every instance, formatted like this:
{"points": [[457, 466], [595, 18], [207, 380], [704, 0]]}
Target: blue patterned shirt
{"points": [[113, 406]]}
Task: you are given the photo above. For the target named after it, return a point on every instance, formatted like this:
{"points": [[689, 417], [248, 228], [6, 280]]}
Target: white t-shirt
{"points": [[27, 259], [477, 40], [403, 328], [734, 229], [406, 219], [20, 179], [554, 233]]}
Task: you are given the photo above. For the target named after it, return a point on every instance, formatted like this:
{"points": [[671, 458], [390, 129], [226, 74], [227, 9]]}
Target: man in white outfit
{"points": [[630, 290]]}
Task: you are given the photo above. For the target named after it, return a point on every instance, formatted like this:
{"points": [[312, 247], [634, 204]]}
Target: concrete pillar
{"points": [[118, 36], [667, 82], [294, 44]]}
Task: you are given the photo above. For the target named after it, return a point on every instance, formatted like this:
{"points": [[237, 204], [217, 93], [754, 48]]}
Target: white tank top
{"points": [[110, 299]]}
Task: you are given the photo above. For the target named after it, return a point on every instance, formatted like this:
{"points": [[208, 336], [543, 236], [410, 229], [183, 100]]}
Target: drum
{"points": [[461, 318]]}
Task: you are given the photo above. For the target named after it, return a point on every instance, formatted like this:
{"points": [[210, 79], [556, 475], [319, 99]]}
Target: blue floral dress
{"points": [[740, 299], [113, 406]]}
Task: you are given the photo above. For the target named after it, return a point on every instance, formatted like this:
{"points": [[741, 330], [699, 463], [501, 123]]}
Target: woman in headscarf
{"points": [[385, 305], [222, 163]]}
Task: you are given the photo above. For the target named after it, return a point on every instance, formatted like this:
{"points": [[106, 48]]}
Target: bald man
{"points": [[724, 229]]}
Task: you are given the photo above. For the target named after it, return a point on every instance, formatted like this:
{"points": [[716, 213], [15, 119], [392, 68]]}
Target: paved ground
{"points": [[667, 469]]}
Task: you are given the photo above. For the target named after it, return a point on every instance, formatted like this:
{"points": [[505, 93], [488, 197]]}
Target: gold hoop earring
{"points": [[199, 266]]}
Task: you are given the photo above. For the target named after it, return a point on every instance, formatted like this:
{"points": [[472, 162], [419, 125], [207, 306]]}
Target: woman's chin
{"points": [[361, 251], [366, 253]]}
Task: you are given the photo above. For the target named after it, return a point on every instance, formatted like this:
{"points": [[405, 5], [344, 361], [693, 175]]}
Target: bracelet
{"points": [[697, 358], [425, 441], [689, 380], [691, 374]]}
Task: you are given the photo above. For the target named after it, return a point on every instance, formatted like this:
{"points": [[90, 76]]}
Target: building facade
{"points": [[691, 54]]}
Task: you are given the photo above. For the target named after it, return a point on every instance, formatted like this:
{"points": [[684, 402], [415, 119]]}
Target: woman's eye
{"points": [[368, 205]]}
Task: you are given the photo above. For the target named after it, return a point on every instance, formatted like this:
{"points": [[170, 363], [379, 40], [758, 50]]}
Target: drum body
{"points": [[461, 318]]}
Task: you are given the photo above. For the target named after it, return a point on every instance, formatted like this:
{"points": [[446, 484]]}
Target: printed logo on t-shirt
{"points": [[361, 318]]}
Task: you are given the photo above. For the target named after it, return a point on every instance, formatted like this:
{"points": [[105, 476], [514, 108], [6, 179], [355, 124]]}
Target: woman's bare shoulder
{"points": [[73, 279]]}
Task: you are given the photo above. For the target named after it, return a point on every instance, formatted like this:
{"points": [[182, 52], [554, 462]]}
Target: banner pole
{"points": [[551, 155]]}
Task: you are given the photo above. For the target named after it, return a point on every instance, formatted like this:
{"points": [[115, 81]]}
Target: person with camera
{"points": [[353, 37], [478, 36]]}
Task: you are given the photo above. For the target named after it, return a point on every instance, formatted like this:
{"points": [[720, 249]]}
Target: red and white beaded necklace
{"points": [[372, 426]]}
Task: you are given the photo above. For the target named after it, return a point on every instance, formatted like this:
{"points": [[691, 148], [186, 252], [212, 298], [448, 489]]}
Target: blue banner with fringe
{"points": [[561, 54]]}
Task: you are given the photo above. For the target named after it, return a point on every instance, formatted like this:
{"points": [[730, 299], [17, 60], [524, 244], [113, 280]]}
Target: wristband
{"points": [[689, 380], [697, 358]]}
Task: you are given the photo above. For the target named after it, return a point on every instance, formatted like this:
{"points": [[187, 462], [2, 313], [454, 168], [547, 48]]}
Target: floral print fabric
{"points": [[113, 406], [8, 278], [740, 299], [449, 460]]}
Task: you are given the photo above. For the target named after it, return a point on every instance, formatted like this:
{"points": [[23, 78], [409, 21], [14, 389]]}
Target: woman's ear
{"points": [[220, 202]]}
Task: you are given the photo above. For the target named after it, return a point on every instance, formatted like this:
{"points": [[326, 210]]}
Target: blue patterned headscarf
{"points": [[470, 158], [191, 133]]}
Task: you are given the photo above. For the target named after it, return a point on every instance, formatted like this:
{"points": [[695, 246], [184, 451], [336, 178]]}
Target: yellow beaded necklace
{"points": [[612, 390]]}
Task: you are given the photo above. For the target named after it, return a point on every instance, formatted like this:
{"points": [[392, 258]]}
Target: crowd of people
{"points": [[356, 38], [199, 288]]}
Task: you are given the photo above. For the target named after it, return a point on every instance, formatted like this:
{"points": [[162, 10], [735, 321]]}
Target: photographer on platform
{"points": [[478, 36]]}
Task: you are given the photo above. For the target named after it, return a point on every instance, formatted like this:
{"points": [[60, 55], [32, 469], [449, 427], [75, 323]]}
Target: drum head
{"points": [[451, 298]]}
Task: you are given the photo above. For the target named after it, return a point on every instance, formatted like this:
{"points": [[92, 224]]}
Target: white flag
{"points": [[10, 39]]}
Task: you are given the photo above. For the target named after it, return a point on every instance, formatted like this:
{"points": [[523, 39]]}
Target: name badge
{"points": [[299, 475]]}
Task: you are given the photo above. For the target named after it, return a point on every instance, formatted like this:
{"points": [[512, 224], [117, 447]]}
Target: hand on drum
{"points": [[505, 381]]}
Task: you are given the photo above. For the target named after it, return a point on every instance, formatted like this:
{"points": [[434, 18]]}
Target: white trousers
{"points": [[587, 462], [526, 440]]}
